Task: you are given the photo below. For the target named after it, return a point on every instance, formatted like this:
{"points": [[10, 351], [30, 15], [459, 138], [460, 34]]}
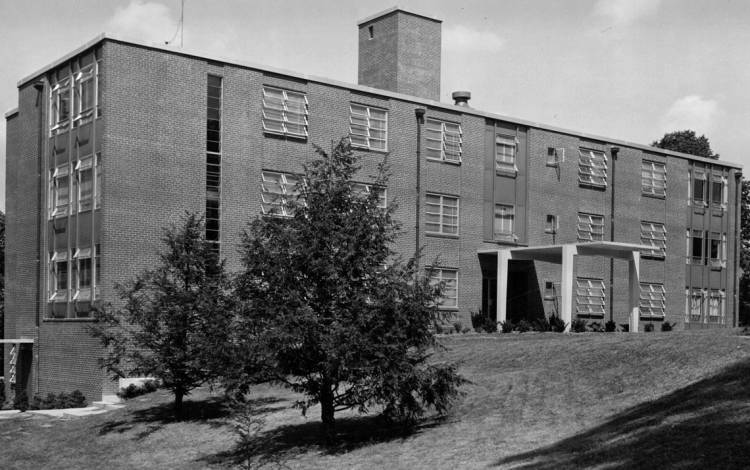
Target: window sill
{"points": [[550, 231], [650, 318], [285, 136], [508, 173], [598, 187], [590, 315], [653, 257], [71, 320], [505, 242], [441, 235], [440, 160], [368, 149], [654, 196], [447, 309]]}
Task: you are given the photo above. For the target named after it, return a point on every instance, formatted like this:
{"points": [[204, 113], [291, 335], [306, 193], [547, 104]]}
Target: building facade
{"points": [[117, 140]]}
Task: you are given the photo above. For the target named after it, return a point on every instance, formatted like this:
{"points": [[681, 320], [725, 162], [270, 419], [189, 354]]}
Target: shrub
{"points": [[465, 330], [506, 326], [556, 324], [624, 327], [438, 328], [649, 327], [135, 390], [523, 326], [610, 326], [541, 324], [21, 401], [596, 327], [58, 402], [457, 326], [666, 326], [578, 325], [482, 322]]}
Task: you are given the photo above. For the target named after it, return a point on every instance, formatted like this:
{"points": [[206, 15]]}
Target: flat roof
{"points": [[392, 9], [365, 89], [11, 112], [553, 253]]}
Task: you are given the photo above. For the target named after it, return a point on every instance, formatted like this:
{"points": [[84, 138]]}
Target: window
{"points": [[85, 94], [716, 250], [589, 296], [719, 192], [82, 274], [362, 188], [60, 191], [550, 290], [368, 127], [504, 217], [699, 187], [505, 155], [696, 246], [653, 178], [442, 214], [285, 112], [694, 307], [85, 182], [214, 97], [278, 191], [653, 300], [716, 307], [449, 280], [551, 225], [58, 285], [592, 168], [590, 227], [555, 156], [60, 106], [654, 234], [444, 140]]}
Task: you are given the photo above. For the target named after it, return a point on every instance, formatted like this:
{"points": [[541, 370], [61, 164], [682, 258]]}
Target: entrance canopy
{"points": [[564, 255]]}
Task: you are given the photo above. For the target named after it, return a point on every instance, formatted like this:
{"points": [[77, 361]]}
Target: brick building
{"points": [[115, 140]]}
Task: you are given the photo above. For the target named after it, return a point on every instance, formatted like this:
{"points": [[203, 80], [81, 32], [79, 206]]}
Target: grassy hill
{"points": [[542, 401]]}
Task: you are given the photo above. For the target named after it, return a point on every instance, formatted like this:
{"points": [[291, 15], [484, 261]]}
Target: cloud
{"points": [[691, 112], [145, 22], [465, 39], [623, 12]]}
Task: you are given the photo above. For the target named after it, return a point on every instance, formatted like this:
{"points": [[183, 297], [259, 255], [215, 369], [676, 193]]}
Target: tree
{"points": [[175, 318], [337, 316], [744, 294], [686, 142]]}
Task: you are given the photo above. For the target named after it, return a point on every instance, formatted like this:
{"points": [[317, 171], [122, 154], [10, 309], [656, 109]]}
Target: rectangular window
{"points": [[592, 168], [699, 187], [653, 300], [449, 280], [58, 282], [60, 106], [278, 191], [285, 112], [654, 234], [443, 140], [214, 98], [551, 225], [505, 155], [590, 227], [694, 310], [716, 250], [719, 192], [368, 127], [82, 274], [716, 307], [85, 94], [85, 182], [555, 156], [441, 214], [653, 178], [550, 290], [590, 296], [696, 248], [59, 191], [363, 188], [504, 218]]}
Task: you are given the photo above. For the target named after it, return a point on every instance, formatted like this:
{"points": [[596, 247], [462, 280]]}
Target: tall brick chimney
{"points": [[400, 51]]}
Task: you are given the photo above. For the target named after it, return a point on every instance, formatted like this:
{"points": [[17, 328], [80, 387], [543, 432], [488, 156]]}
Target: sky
{"points": [[625, 69]]}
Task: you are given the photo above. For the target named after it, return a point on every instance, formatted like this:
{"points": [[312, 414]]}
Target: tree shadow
{"points": [[704, 425], [274, 446]]}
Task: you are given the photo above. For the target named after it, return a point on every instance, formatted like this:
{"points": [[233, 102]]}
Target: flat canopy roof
{"points": [[18, 340], [553, 253]]}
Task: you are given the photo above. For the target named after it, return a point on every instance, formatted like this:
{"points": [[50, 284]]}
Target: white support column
{"points": [[566, 284], [634, 285], [503, 258]]}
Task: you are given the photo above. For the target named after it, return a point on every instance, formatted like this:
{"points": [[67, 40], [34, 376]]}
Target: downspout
{"points": [[419, 113], [737, 244], [39, 87], [613, 151]]}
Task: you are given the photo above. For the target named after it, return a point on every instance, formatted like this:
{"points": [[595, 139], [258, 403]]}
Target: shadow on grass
{"points": [[274, 446], [704, 425]]}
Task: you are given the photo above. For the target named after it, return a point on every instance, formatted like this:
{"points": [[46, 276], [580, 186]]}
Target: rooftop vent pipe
{"points": [[461, 98]]}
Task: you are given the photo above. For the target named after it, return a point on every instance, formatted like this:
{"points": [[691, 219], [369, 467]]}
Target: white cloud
{"points": [[623, 12], [462, 38], [691, 112], [145, 22]]}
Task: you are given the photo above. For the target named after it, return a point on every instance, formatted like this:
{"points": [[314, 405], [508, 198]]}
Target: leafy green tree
{"points": [[686, 142], [176, 317], [332, 310]]}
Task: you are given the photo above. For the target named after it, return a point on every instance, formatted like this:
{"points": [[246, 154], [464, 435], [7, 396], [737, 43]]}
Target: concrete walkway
{"points": [[63, 413]]}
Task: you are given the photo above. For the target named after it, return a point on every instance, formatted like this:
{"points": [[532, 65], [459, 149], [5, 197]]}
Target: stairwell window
{"points": [[444, 141], [368, 127], [653, 178], [590, 227], [278, 190], [504, 221], [592, 168], [441, 214], [448, 279], [285, 112], [654, 234], [505, 155], [590, 297], [653, 300]]}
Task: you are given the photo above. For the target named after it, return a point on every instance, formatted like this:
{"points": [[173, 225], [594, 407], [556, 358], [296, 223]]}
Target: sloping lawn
{"points": [[549, 401]]}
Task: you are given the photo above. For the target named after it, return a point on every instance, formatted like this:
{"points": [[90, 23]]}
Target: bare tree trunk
{"points": [[179, 393], [327, 411]]}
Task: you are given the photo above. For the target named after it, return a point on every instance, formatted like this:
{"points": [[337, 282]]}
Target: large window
{"points": [[694, 305], [719, 192], [58, 280], [654, 234], [695, 246], [443, 140], [82, 274], [368, 127], [653, 300], [285, 112], [716, 250], [366, 189], [441, 214], [716, 305], [449, 280], [85, 94], [590, 297], [59, 191], [85, 179], [278, 190], [653, 178], [505, 155], [60, 106], [699, 187], [590, 227], [592, 168], [504, 218], [214, 101]]}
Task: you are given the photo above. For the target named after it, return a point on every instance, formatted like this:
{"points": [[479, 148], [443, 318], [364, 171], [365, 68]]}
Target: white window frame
{"points": [[57, 93], [715, 310], [699, 174], [293, 110], [83, 293], [652, 301], [591, 296], [507, 213], [692, 235], [83, 165], [276, 202], [58, 293], [439, 203], [653, 178], [449, 278], [365, 188], [592, 168], [586, 228], [695, 301], [551, 224], [364, 130], [555, 156], [504, 163], [654, 234], [722, 202], [87, 74], [720, 261], [443, 141], [56, 209]]}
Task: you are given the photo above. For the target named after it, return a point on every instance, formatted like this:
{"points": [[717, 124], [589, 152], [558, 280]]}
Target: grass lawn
{"points": [[542, 401]]}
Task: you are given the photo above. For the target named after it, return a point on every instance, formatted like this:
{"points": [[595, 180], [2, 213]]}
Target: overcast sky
{"points": [[626, 69]]}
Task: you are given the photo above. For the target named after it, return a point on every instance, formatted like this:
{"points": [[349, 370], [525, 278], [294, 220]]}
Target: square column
{"points": [[503, 258], [566, 284], [634, 287]]}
